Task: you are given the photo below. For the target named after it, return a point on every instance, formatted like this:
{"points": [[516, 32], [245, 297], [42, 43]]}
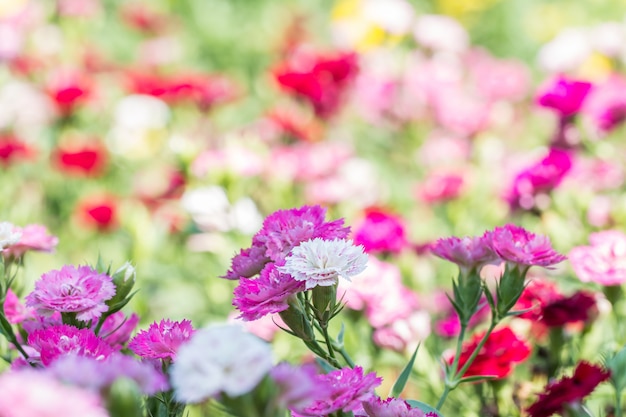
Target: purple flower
{"points": [[517, 245], [467, 252], [161, 340], [60, 340], [268, 294], [81, 290], [117, 328], [247, 263], [347, 389], [563, 95]]}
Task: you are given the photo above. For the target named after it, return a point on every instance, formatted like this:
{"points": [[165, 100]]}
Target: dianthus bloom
{"points": [[498, 355], [537, 294], [63, 339], [33, 237], [220, 358], [30, 393], [8, 235], [347, 389], [268, 294], [467, 252], [161, 340], [322, 262], [568, 390], [87, 158], [563, 95], [604, 262], [381, 231], [517, 245], [580, 307], [81, 290], [391, 407], [297, 385], [97, 375], [15, 311], [117, 328]]}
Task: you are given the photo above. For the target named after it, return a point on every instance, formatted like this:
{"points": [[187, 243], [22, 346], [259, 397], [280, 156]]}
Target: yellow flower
{"points": [[597, 67]]}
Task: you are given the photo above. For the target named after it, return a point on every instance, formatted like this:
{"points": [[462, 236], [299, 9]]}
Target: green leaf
{"points": [[400, 383], [475, 378], [424, 407], [340, 335]]}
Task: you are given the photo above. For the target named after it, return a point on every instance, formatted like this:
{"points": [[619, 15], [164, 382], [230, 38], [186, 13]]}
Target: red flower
{"points": [[11, 149], [141, 18], [320, 80], [99, 212], [568, 390], [68, 89], [538, 294], [502, 350], [580, 307], [82, 159]]}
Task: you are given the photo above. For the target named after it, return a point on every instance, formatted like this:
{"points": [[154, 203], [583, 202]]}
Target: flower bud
{"points": [[297, 320], [324, 300], [124, 280]]}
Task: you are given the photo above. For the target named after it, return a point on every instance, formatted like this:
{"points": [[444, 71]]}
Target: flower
{"points": [[391, 407], [13, 149], [606, 107], [99, 374], [88, 158], [322, 262], [579, 307], [9, 236], [517, 245], [537, 294], [33, 237], [247, 263], [502, 350], [297, 385], [604, 262], [219, 358], [15, 311], [467, 252], [440, 187], [568, 390], [99, 212], [30, 393], [347, 388], [162, 340], [117, 328], [68, 88], [403, 334], [268, 294], [81, 290], [564, 96], [381, 231], [59, 340]]}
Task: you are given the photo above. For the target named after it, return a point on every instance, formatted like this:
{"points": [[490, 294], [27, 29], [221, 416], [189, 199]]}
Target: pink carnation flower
{"points": [[467, 252], [604, 262], [391, 407], [97, 375], [247, 263], [440, 187], [517, 245], [56, 341], [81, 290], [563, 95], [161, 340], [34, 237], [268, 294], [405, 333], [347, 388], [30, 393], [14, 310], [117, 329], [606, 105], [381, 231], [298, 386]]}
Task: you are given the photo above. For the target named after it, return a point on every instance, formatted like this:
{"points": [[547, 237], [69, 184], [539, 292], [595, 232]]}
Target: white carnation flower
{"points": [[322, 262], [221, 358], [8, 235]]}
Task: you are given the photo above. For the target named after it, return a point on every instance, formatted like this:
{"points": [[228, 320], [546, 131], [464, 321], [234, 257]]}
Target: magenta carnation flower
{"points": [[33, 237], [467, 252], [604, 262], [247, 263], [381, 231], [517, 245], [161, 340], [564, 96], [347, 389], [268, 294], [81, 290], [63, 339]]}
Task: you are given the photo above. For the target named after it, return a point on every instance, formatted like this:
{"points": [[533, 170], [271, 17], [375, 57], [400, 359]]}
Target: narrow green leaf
{"points": [[340, 335], [400, 383], [424, 407], [475, 378]]}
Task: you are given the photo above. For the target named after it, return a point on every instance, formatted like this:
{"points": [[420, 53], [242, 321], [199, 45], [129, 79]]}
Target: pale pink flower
{"points": [[606, 104], [439, 187], [323, 262], [33, 237], [604, 262], [98, 375], [461, 113], [298, 386], [267, 294], [392, 304], [467, 252], [516, 245], [369, 285], [221, 358], [440, 33], [391, 407], [404, 334], [81, 290], [60, 340], [348, 388], [29, 393], [161, 340], [500, 79], [14, 310], [117, 329]]}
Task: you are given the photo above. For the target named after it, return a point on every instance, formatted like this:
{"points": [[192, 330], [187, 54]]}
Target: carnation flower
{"points": [[297, 385], [381, 231], [220, 358], [247, 263], [99, 374], [15, 311], [98, 212], [13, 149], [268, 294], [117, 328], [537, 294], [563, 95], [33, 237], [568, 390], [517, 245], [81, 290], [29, 393], [322, 262], [580, 307], [502, 350], [391, 407], [162, 340], [59, 340], [604, 262], [467, 252], [84, 159], [8, 235], [347, 389]]}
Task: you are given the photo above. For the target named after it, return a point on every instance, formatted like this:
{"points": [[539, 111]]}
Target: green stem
{"points": [[618, 403], [329, 345], [482, 342], [346, 357], [459, 347], [443, 397]]}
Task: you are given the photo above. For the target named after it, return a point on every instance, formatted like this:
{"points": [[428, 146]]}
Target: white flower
{"points": [[440, 33], [220, 358], [322, 262], [8, 235]]}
